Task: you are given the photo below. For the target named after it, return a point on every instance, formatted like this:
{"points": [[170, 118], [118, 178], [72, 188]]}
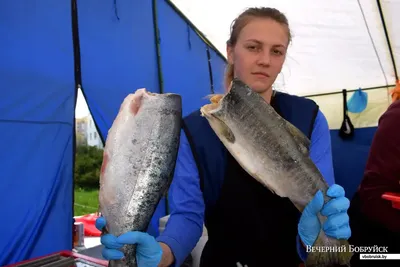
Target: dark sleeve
{"points": [[382, 173]]}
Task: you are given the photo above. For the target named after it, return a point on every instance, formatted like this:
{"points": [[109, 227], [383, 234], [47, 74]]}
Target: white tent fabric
{"points": [[331, 106], [337, 44]]}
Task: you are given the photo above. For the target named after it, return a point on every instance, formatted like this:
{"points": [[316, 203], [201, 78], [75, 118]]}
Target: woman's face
{"points": [[259, 53]]}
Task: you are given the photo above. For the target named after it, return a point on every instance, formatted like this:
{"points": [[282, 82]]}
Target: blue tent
{"points": [[49, 49]]}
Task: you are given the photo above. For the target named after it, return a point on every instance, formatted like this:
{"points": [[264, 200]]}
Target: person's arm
{"points": [[321, 155], [382, 172], [321, 148], [185, 224]]}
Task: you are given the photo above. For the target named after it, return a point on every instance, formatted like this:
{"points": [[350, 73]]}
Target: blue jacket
{"points": [[185, 224]]}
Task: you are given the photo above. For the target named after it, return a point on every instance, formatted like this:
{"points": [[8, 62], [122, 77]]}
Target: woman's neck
{"points": [[267, 95]]}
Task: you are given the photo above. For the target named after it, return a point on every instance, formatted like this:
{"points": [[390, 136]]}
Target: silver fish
{"points": [[138, 163], [276, 154]]}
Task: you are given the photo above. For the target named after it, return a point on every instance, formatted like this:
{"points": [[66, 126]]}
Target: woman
{"points": [[375, 220], [246, 223]]}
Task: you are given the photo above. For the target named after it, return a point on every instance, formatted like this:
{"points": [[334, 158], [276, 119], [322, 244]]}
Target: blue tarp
{"points": [[37, 102], [350, 157], [118, 54]]}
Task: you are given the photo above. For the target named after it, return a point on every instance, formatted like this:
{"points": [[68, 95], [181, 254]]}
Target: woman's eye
{"points": [[252, 48]]}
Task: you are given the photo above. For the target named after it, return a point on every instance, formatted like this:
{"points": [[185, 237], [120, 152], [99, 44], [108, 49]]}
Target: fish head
{"points": [[222, 112], [149, 102], [216, 114]]}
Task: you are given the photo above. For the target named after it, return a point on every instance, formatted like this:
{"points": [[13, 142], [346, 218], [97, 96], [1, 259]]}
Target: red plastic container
{"points": [[89, 221], [394, 197]]}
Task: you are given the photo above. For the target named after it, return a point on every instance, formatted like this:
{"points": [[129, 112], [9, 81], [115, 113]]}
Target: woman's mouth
{"points": [[261, 74]]}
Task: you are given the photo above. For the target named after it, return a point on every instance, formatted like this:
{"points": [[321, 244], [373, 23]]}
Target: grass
{"points": [[86, 201]]}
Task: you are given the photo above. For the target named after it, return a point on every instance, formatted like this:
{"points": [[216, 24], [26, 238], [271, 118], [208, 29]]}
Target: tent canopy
{"points": [[50, 48], [336, 44]]}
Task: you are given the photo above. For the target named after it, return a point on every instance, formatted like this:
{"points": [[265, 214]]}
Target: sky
{"points": [[81, 106]]}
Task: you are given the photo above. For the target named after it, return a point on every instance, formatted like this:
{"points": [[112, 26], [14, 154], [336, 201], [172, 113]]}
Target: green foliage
{"points": [[88, 160], [86, 201]]}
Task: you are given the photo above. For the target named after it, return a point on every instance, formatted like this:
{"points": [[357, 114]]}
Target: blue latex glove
{"points": [[148, 252], [337, 223]]}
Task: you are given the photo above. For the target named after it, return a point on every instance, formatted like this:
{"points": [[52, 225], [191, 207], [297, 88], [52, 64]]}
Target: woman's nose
{"points": [[264, 58]]}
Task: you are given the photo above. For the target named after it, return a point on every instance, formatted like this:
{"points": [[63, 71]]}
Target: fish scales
{"points": [[273, 152], [138, 163], [247, 118]]}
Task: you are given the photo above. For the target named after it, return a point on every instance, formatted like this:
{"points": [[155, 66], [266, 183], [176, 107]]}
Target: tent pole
{"points": [[351, 90], [77, 62], [158, 49], [387, 39], [210, 69], [201, 35], [78, 81]]}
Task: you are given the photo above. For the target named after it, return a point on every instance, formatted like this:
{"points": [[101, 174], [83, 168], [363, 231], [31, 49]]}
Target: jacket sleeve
{"points": [[321, 155], [185, 224], [321, 148], [382, 172]]}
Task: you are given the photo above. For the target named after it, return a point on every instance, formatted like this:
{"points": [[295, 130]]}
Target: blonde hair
{"points": [[241, 21]]}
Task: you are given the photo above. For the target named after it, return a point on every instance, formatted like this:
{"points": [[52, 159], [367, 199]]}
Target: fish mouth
{"points": [[214, 113], [209, 110]]}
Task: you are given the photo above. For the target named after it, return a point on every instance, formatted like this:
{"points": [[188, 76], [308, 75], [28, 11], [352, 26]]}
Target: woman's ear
{"points": [[229, 53]]}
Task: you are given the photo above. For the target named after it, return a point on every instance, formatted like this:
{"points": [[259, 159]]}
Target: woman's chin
{"points": [[260, 87]]}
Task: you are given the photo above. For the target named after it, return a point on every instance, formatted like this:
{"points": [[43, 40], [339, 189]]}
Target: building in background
{"points": [[80, 128], [86, 132], [92, 136]]}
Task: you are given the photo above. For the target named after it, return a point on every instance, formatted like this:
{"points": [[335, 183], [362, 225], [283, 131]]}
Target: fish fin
{"points": [[302, 140], [329, 252], [270, 189], [225, 131], [228, 134]]}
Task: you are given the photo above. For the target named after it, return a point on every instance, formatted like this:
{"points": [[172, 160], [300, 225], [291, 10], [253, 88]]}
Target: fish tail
{"points": [[120, 263], [329, 252]]}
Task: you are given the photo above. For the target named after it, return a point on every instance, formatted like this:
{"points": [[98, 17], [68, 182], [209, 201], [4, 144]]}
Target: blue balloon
{"points": [[358, 102]]}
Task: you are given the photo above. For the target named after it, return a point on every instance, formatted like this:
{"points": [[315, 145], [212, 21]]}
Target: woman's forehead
{"points": [[265, 31]]}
